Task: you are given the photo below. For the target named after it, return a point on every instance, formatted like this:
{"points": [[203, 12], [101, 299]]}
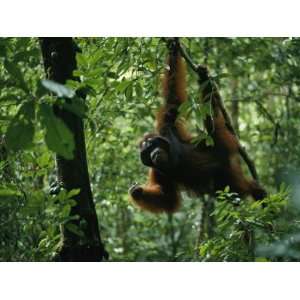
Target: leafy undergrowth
{"points": [[253, 231]]}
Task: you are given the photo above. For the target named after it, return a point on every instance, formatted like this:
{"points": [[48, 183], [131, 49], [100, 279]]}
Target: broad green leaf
{"points": [[226, 190], [40, 90], [9, 99], [59, 89], [77, 106], [185, 108], [94, 83], [209, 141], [261, 259], [65, 211], [44, 159], [73, 193], [22, 43], [81, 59], [122, 86], [96, 57], [13, 69], [20, 131], [138, 90], [74, 229], [58, 136], [7, 192], [128, 92], [206, 109]]}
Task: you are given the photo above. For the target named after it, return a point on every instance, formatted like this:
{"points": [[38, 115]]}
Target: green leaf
{"points": [[22, 43], [122, 86], [77, 107], [221, 75], [81, 59], [209, 141], [65, 211], [206, 109], [40, 90], [128, 92], [59, 89], [96, 57], [20, 131], [58, 136], [185, 108], [44, 159], [139, 90], [73, 193], [261, 259], [74, 229], [9, 99], [7, 192], [13, 69]]}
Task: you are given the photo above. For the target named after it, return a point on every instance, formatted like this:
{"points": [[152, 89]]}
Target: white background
{"points": [[56, 281]]}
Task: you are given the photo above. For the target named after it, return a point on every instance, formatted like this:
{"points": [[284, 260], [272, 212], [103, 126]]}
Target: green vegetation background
{"points": [[259, 82]]}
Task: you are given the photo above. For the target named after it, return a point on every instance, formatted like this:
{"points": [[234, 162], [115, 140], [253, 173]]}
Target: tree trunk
{"points": [[59, 55]]}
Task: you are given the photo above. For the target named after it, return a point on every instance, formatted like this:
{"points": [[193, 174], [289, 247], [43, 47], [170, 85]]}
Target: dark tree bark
{"points": [[60, 62]]}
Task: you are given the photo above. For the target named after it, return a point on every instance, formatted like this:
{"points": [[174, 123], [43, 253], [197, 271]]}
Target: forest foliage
{"points": [[259, 82]]}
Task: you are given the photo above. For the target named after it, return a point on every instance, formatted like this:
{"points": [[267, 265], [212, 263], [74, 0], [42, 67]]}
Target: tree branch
{"points": [[202, 72]]}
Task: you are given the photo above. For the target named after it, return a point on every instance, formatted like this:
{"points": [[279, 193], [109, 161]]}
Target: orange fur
{"points": [[222, 136], [201, 169], [156, 197], [176, 74], [174, 92]]}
